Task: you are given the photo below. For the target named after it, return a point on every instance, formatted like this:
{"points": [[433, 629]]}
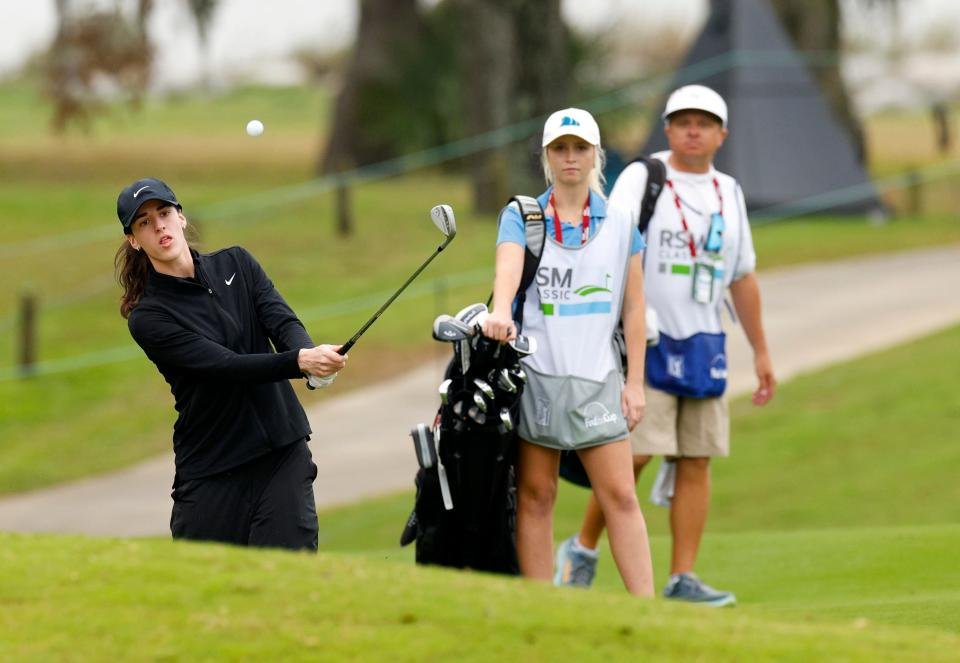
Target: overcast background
{"points": [[252, 39]]}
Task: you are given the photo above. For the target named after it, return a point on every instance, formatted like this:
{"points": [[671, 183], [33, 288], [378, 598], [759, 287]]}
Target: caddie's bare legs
{"points": [[611, 475], [537, 469]]}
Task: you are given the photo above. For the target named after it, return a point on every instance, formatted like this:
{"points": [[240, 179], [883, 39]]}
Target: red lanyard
{"points": [[683, 218], [584, 225]]}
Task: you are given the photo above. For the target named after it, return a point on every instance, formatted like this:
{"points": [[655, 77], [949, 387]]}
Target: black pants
{"points": [[266, 502]]}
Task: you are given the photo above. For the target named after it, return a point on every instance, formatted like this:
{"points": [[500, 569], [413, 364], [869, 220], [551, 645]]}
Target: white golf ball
{"points": [[254, 128]]}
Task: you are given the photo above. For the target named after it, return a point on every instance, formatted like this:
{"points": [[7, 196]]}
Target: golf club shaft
{"points": [[349, 344]]}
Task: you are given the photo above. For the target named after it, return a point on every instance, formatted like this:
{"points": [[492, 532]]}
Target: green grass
{"points": [[805, 596], [835, 521], [832, 505], [851, 445], [56, 208]]}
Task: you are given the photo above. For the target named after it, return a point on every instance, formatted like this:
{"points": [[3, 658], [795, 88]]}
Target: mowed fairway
{"points": [[836, 521], [840, 497]]}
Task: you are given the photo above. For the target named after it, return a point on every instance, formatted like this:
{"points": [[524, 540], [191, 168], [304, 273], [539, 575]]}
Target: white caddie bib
{"points": [[572, 308]]}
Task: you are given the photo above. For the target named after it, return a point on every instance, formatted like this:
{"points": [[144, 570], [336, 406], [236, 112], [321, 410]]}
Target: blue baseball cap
{"points": [[136, 194]]}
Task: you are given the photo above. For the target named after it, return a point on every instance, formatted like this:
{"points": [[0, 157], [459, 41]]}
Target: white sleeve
{"points": [[746, 261], [627, 192]]}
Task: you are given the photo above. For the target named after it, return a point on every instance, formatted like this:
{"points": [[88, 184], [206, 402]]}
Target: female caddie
{"points": [[589, 278]]}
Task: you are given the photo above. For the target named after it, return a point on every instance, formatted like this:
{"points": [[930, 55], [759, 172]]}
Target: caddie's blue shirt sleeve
{"points": [[636, 244], [510, 226]]}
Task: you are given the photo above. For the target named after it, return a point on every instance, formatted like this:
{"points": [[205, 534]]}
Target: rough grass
{"points": [[805, 597]]}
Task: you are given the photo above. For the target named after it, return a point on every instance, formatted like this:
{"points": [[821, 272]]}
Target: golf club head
{"points": [[449, 329], [506, 419], [444, 390], [477, 416], [519, 373], [485, 388], [473, 315], [458, 408], [480, 401], [442, 217], [505, 383], [424, 445], [524, 345]]}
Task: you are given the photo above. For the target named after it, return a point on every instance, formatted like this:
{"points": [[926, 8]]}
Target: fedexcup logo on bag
{"points": [[596, 414]]}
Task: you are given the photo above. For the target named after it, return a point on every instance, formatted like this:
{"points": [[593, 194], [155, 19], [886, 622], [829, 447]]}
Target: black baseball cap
{"points": [[136, 194]]}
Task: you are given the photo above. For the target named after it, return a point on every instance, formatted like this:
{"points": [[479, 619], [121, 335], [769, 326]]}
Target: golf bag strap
{"points": [[535, 231], [656, 177]]}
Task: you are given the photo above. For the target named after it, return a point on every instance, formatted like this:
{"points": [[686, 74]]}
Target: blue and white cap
{"points": [[571, 122]]}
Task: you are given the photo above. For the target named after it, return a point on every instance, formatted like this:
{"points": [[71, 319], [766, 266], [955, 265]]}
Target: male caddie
{"points": [[698, 247]]}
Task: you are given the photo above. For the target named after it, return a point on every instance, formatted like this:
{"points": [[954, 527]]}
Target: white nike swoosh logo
{"points": [[137, 192], [230, 280]]}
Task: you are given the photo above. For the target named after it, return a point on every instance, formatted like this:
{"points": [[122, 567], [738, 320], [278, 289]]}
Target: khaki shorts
{"points": [[680, 426]]}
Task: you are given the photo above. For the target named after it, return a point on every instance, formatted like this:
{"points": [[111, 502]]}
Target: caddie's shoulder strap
{"points": [[656, 177], [535, 231]]}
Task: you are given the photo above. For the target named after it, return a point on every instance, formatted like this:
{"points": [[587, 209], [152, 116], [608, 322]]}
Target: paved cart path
{"points": [[815, 315]]}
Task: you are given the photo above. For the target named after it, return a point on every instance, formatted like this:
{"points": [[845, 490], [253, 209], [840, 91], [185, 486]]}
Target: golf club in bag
{"points": [[464, 515], [443, 219]]}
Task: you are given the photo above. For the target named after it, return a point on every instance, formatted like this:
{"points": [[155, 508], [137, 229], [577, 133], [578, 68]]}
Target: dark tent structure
{"points": [[785, 147]]}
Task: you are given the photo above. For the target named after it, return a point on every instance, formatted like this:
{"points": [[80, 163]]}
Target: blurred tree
{"points": [[202, 12], [515, 66], [815, 26], [98, 53], [364, 127], [418, 78], [93, 53]]}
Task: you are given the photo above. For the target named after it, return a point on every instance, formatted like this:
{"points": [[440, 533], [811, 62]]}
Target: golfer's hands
{"points": [[499, 326], [322, 360], [766, 382], [634, 404]]}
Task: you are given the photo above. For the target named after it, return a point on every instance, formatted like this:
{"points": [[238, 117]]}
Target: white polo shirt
{"points": [[667, 261]]}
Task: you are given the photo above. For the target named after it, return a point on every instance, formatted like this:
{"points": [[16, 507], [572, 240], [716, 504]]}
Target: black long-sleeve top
{"points": [[227, 344]]}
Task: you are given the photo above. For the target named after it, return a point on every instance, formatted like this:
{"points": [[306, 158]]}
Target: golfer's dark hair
{"points": [[131, 268]]}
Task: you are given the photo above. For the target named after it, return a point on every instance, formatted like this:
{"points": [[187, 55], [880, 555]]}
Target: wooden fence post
{"points": [[28, 334]]}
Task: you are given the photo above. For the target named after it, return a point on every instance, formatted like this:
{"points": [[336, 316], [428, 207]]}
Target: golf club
{"points": [[524, 345], [506, 419], [519, 373], [443, 219], [505, 383], [444, 390], [424, 446], [478, 417], [447, 328], [472, 315], [485, 388], [480, 401]]}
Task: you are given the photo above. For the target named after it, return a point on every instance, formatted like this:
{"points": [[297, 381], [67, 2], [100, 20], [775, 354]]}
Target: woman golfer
{"points": [[228, 344], [589, 277]]}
